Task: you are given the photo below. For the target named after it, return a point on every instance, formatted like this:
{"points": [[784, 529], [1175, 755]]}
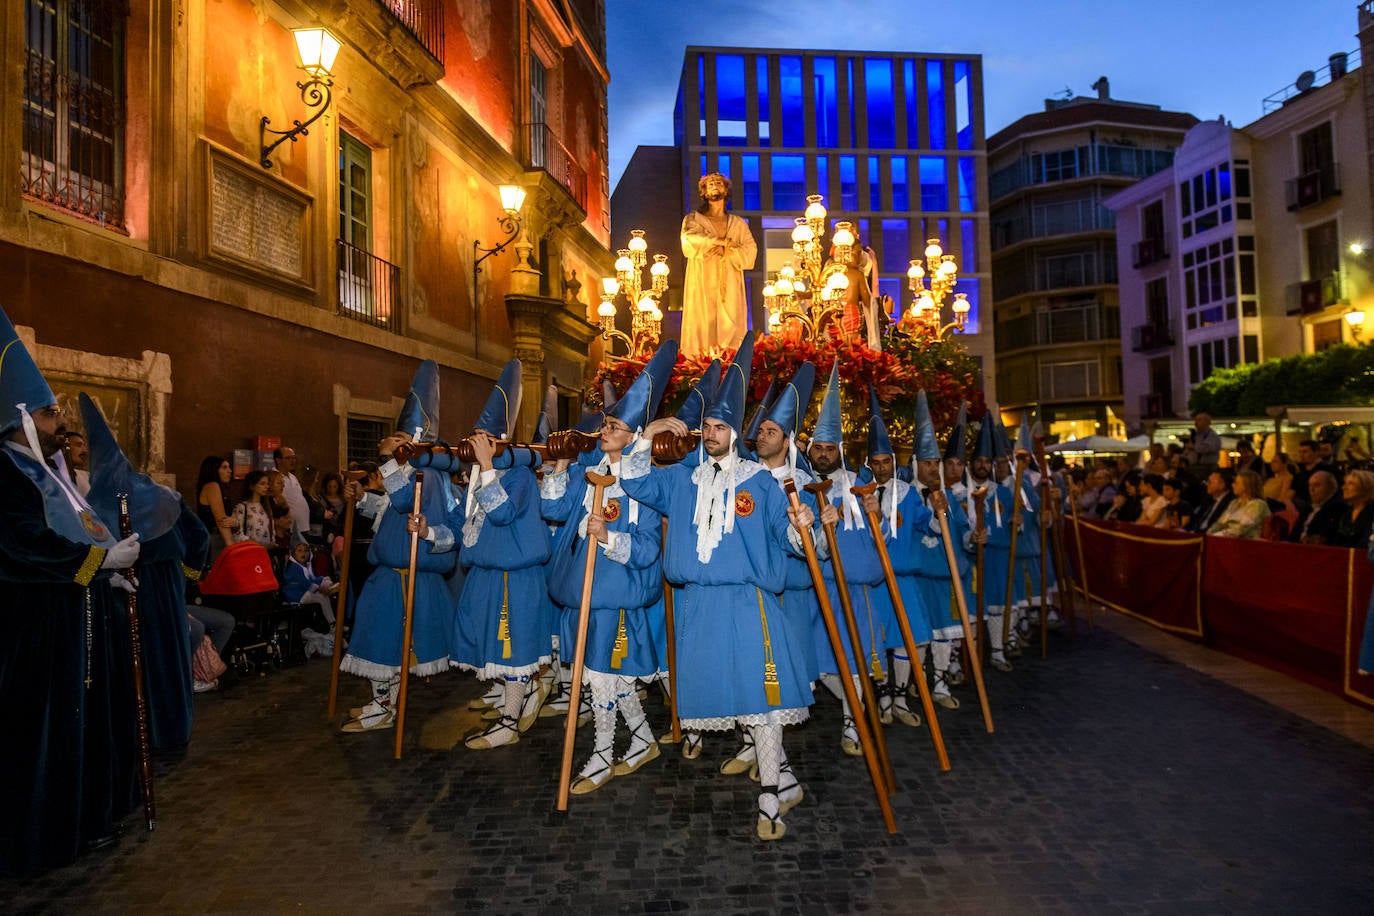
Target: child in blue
{"points": [[375, 651], [905, 519], [300, 585], [728, 535], [627, 580]]}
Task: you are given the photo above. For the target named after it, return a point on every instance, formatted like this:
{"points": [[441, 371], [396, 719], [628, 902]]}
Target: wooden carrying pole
{"points": [[851, 623], [1021, 459], [670, 635], [409, 621], [832, 630], [980, 513], [145, 757], [957, 585], [599, 484], [341, 604], [904, 624], [1043, 519], [1080, 573]]}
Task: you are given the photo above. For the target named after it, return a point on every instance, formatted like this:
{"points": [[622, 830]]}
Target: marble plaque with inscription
{"points": [[255, 223]]}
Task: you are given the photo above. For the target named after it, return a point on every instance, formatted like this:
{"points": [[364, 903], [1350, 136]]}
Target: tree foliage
{"points": [[1342, 375]]}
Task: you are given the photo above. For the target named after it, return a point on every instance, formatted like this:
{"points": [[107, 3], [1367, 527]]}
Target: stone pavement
{"points": [[1116, 782]]}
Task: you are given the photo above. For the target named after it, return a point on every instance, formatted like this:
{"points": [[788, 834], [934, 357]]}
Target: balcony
{"points": [[1314, 187], [1312, 296], [544, 151], [1145, 337], [1148, 251], [423, 19], [1075, 324], [1155, 406], [369, 287]]}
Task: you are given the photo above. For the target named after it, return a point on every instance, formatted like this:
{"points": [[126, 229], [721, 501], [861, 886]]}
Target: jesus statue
{"points": [[719, 248]]}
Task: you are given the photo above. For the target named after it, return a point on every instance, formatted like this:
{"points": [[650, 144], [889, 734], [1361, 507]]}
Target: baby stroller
{"points": [[244, 583]]}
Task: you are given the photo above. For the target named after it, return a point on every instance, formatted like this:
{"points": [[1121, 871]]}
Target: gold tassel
{"points": [[503, 632], [772, 690], [622, 643]]}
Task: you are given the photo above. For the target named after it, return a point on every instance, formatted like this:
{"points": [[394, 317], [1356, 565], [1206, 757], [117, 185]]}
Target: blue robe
{"points": [[933, 575], [374, 650], [799, 597], [1027, 580], [728, 621], [1366, 664], [864, 574], [997, 551], [58, 759], [914, 521], [627, 583], [504, 625]]}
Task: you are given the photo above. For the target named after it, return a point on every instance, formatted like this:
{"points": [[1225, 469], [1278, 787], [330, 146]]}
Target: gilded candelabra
{"points": [[930, 288], [811, 291], [647, 316]]}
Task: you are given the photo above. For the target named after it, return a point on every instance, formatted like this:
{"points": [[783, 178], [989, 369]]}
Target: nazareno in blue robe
{"points": [[914, 521]]}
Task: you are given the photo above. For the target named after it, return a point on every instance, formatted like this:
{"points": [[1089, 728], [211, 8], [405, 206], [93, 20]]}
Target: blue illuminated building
{"points": [[893, 141]]}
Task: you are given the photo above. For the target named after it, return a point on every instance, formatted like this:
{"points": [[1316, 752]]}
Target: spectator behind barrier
{"points": [[253, 517], [1219, 498], [1152, 501], [1177, 513], [213, 503], [1353, 526], [1317, 523], [1246, 515]]}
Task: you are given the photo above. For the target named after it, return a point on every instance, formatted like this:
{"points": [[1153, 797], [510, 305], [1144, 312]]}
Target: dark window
{"points": [[1157, 302], [1316, 151], [361, 436], [1323, 250], [355, 192], [1251, 348], [73, 128], [1152, 222]]}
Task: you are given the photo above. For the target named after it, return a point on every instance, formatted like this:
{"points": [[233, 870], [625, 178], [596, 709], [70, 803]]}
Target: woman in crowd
{"points": [[1152, 501], [1126, 503], [1281, 472], [1246, 515], [213, 505], [331, 501], [1355, 524], [280, 509], [253, 517]]}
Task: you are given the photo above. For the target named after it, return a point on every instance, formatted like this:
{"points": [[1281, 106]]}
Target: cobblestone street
{"points": [[1117, 782]]}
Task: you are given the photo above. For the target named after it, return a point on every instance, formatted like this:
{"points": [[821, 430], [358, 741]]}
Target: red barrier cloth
{"points": [[1150, 573], [1282, 605]]}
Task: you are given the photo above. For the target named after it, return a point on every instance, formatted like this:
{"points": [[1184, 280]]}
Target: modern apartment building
{"points": [[893, 141], [1270, 225], [1054, 253]]}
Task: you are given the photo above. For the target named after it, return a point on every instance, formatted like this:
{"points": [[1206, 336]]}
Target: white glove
{"points": [[123, 554], [118, 581]]}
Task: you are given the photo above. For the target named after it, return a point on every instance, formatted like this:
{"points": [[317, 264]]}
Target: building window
{"points": [[765, 111], [901, 198], [361, 435], [1157, 302], [1069, 380], [1205, 357], [935, 104], [882, 118], [1206, 200], [731, 113], [74, 106], [789, 182], [368, 285], [749, 168], [934, 184], [790, 91], [849, 184], [1209, 283], [963, 104], [827, 103], [1323, 250], [875, 184]]}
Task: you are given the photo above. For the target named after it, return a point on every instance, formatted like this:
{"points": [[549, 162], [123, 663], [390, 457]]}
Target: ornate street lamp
{"points": [[811, 291], [930, 289], [512, 199], [315, 52], [647, 315]]}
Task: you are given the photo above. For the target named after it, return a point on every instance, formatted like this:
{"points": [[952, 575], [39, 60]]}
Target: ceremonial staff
{"points": [[957, 585], [670, 635], [1081, 574], [1021, 460], [599, 484], [832, 630], [341, 605], [145, 759], [409, 619], [904, 624], [1044, 468], [978, 496]]}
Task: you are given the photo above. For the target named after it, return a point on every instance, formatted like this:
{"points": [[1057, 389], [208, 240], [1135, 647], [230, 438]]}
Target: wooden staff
{"points": [[1065, 587], [904, 624], [978, 496], [851, 622], [837, 646], [957, 585], [670, 635], [409, 620], [1081, 573], [599, 484], [341, 604], [145, 757], [1016, 502], [1044, 467]]}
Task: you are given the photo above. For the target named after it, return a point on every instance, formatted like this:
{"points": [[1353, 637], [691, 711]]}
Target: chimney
{"points": [[1104, 89], [1338, 65]]}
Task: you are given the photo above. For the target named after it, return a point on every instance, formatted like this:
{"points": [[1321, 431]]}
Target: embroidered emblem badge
{"points": [[744, 504], [612, 510]]}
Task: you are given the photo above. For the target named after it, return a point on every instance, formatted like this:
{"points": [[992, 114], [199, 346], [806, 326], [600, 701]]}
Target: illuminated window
{"points": [[901, 198], [827, 103], [875, 184], [934, 184], [963, 104], [882, 119], [731, 116], [790, 88], [849, 184], [749, 168], [789, 182], [765, 111], [935, 104]]}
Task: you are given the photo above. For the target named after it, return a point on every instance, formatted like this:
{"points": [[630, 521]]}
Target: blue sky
{"points": [[1209, 58]]}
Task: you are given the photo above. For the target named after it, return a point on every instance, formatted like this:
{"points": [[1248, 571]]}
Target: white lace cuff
{"points": [[554, 485], [617, 547]]}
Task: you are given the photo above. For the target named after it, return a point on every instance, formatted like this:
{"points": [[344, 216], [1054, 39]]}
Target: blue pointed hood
{"points": [[421, 409], [925, 447], [986, 446], [590, 421], [153, 509], [752, 432], [639, 404], [693, 410], [728, 404], [20, 380], [789, 407], [548, 416], [1023, 436], [878, 443], [503, 406], [829, 427], [957, 445]]}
